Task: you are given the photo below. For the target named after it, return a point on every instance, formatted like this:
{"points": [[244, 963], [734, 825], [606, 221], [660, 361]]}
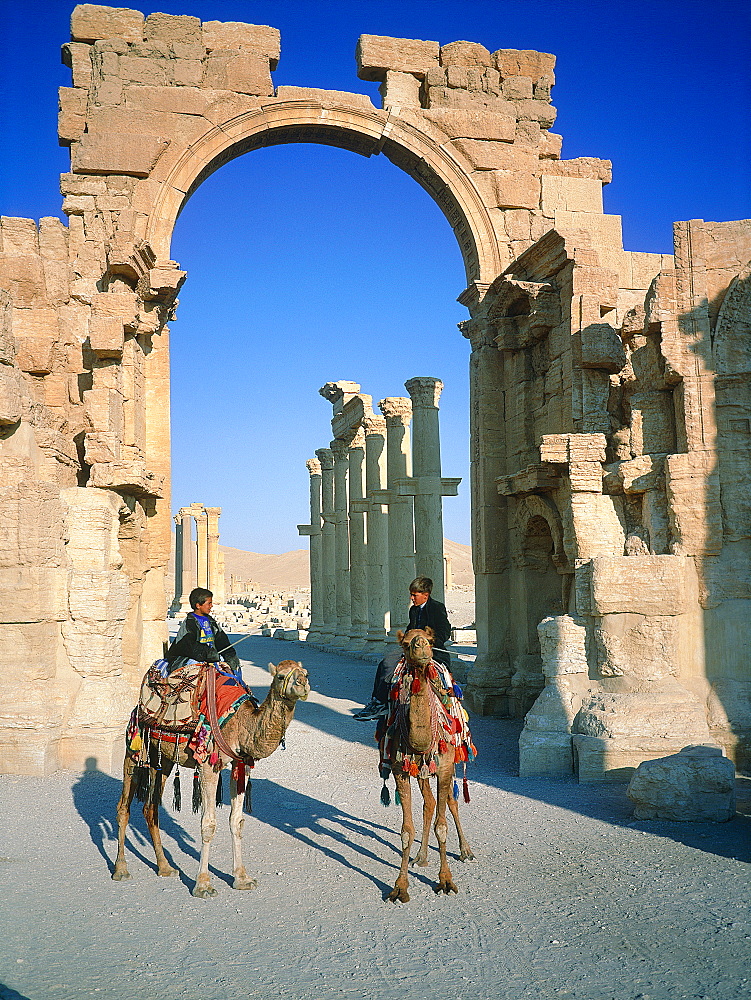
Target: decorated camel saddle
{"points": [[185, 707]]}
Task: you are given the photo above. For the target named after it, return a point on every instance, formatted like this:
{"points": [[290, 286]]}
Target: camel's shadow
{"points": [[95, 796], [331, 831]]}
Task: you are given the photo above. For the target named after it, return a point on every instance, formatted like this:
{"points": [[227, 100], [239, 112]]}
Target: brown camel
{"points": [[252, 734], [417, 732]]}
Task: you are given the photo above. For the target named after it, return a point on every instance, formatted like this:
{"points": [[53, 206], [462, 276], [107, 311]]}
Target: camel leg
{"points": [[151, 815], [404, 788], [445, 782], [465, 851], [209, 779], [123, 815], [236, 824], [428, 808]]}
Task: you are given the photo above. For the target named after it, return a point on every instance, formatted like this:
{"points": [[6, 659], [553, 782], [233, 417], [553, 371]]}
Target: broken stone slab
{"points": [[378, 53], [90, 22], [695, 785]]}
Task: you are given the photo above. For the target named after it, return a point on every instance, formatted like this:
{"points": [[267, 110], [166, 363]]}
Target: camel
{"points": [[417, 732], [251, 733]]}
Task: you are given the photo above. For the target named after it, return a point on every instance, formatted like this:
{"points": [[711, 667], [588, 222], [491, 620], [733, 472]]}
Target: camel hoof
{"points": [[445, 887], [120, 876], [398, 895], [204, 891], [166, 872], [467, 855], [421, 861], [245, 883]]}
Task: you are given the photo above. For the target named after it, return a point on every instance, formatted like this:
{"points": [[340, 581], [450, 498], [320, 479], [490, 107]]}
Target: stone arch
{"points": [[364, 131], [540, 507]]}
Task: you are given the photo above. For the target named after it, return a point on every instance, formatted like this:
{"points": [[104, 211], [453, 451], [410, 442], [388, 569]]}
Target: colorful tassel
{"points": [[219, 790], [141, 776], [248, 800], [177, 799], [415, 688], [466, 790], [238, 773], [397, 798], [458, 693], [385, 795], [456, 790], [196, 792]]}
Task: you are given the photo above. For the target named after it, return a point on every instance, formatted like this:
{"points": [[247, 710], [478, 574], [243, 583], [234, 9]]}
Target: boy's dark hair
{"points": [[421, 585], [199, 595]]}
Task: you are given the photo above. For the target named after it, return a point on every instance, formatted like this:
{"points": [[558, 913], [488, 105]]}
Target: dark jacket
{"points": [[188, 647], [432, 613]]}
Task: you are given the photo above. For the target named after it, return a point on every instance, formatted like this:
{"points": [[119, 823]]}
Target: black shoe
{"points": [[373, 710]]}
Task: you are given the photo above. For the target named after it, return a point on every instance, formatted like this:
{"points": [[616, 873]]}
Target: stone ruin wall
{"points": [[594, 426]]}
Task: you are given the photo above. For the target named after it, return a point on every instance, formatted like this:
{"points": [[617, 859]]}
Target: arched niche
{"points": [[363, 131]]}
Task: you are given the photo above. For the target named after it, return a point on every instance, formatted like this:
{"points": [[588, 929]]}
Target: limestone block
{"points": [[550, 146], [585, 477], [104, 409], [401, 89], [152, 71], [524, 62], [36, 333], [647, 585], [630, 645], [561, 448], [258, 38], [696, 785], [28, 650], [517, 88], [377, 53], [71, 120], [188, 72], [88, 22], [597, 525], [114, 153], [694, 506], [23, 277], [490, 155], [99, 597], [538, 111], [545, 755], [528, 135], [180, 28], [77, 57], [18, 237], [11, 389], [509, 188], [637, 475], [94, 648], [465, 54], [53, 239], [39, 593], [598, 346], [582, 166], [605, 230], [330, 97], [128, 476], [106, 336], [570, 194], [102, 446], [247, 73]]}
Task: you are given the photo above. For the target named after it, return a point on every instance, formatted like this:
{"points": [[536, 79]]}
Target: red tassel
{"points": [[432, 672], [465, 790], [415, 689], [238, 773]]}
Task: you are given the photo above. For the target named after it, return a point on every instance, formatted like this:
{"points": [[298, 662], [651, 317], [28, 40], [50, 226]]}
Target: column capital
{"points": [[339, 449], [313, 466], [326, 458], [478, 333], [424, 392], [396, 408], [358, 440], [337, 392]]}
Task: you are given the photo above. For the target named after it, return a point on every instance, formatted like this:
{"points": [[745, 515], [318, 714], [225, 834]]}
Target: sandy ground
{"points": [[568, 896]]}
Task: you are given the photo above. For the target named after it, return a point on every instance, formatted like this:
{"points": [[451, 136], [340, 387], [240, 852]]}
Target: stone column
{"points": [[490, 677], [379, 618], [177, 599], [341, 536], [358, 568], [426, 470], [328, 572], [187, 561], [202, 545], [398, 412], [212, 551], [313, 531], [220, 593]]}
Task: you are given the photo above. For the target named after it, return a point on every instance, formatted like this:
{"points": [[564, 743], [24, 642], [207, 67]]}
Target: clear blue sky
{"points": [[308, 264]]}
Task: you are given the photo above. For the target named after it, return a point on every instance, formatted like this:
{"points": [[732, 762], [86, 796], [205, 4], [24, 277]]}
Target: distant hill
{"points": [[290, 570]]}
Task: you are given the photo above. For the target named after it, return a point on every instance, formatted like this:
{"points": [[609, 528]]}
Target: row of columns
{"points": [[198, 563], [376, 514]]}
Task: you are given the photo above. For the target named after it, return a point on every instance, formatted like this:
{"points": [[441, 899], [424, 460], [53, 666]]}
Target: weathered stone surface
{"points": [[465, 54], [570, 194], [525, 62], [88, 22], [112, 153], [258, 38], [663, 585], [696, 785], [330, 97], [378, 53], [174, 28]]}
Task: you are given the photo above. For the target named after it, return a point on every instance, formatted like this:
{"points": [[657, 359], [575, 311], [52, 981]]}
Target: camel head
{"points": [[417, 644], [290, 680]]}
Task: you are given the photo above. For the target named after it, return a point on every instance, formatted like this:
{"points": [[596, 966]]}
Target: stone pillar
{"points": [[202, 545], [187, 560], [328, 572], [177, 599], [490, 677], [426, 471], [398, 412], [358, 568], [379, 618], [220, 594], [341, 536], [313, 531], [212, 551]]}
